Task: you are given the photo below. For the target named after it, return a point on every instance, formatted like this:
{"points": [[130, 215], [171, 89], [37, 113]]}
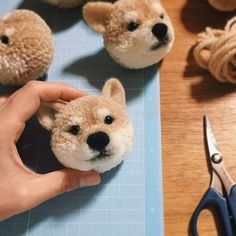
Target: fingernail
{"points": [[89, 180]]}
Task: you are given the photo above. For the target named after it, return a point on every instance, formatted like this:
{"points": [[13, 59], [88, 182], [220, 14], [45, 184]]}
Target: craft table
{"points": [[187, 93]]}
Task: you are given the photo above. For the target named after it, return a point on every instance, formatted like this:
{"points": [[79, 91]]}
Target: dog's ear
{"points": [[96, 14], [114, 89], [47, 113]]}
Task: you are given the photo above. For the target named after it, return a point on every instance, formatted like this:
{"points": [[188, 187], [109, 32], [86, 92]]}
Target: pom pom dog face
{"points": [[91, 132], [26, 47], [137, 33]]}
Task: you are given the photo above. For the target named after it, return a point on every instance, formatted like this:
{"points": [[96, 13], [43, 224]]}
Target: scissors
{"points": [[225, 204]]}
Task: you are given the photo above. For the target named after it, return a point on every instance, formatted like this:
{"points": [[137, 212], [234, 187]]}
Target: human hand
{"points": [[21, 188]]}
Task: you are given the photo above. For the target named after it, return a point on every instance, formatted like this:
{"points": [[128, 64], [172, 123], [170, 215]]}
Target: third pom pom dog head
{"points": [[26, 47]]}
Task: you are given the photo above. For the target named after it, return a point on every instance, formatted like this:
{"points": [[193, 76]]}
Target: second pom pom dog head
{"points": [[137, 33], [91, 132]]}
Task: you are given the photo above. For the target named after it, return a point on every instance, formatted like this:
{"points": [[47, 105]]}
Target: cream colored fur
{"points": [[89, 113], [131, 49]]}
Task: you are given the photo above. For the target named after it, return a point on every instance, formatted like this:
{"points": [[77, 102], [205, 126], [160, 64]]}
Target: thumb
{"points": [[52, 184]]}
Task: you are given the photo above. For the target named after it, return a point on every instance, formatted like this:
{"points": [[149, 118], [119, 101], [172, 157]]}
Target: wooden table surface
{"points": [[187, 93]]}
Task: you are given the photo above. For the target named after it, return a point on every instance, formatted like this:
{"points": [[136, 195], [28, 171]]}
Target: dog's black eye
{"points": [[132, 26], [74, 129], [162, 16], [108, 120], [4, 39]]}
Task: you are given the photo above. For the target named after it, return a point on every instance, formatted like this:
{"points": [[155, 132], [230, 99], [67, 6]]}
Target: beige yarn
{"points": [[216, 51]]}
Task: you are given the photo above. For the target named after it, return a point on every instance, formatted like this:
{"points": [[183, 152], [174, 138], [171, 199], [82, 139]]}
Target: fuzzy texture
{"points": [[65, 3], [134, 49], [26, 47], [89, 112], [223, 5]]}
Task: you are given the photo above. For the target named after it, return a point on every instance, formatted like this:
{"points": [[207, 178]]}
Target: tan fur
{"points": [[30, 49], [84, 112], [120, 42], [86, 108], [98, 15], [116, 27]]}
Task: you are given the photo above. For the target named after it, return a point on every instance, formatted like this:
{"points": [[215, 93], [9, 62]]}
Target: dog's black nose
{"points": [[160, 30], [98, 141]]}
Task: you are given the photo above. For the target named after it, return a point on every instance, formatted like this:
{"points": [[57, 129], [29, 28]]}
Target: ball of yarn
{"points": [[223, 5], [216, 51]]}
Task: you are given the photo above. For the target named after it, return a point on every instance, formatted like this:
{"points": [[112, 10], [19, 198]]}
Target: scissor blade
{"points": [[217, 162], [211, 141], [216, 183], [212, 149]]}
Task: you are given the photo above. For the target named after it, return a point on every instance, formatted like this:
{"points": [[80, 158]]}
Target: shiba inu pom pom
{"points": [[90, 132], [137, 33], [26, 47]]}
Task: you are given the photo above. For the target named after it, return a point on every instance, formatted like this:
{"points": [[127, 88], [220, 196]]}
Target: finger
{"points": [[3, 98], [26, 101], [50, 185]]}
